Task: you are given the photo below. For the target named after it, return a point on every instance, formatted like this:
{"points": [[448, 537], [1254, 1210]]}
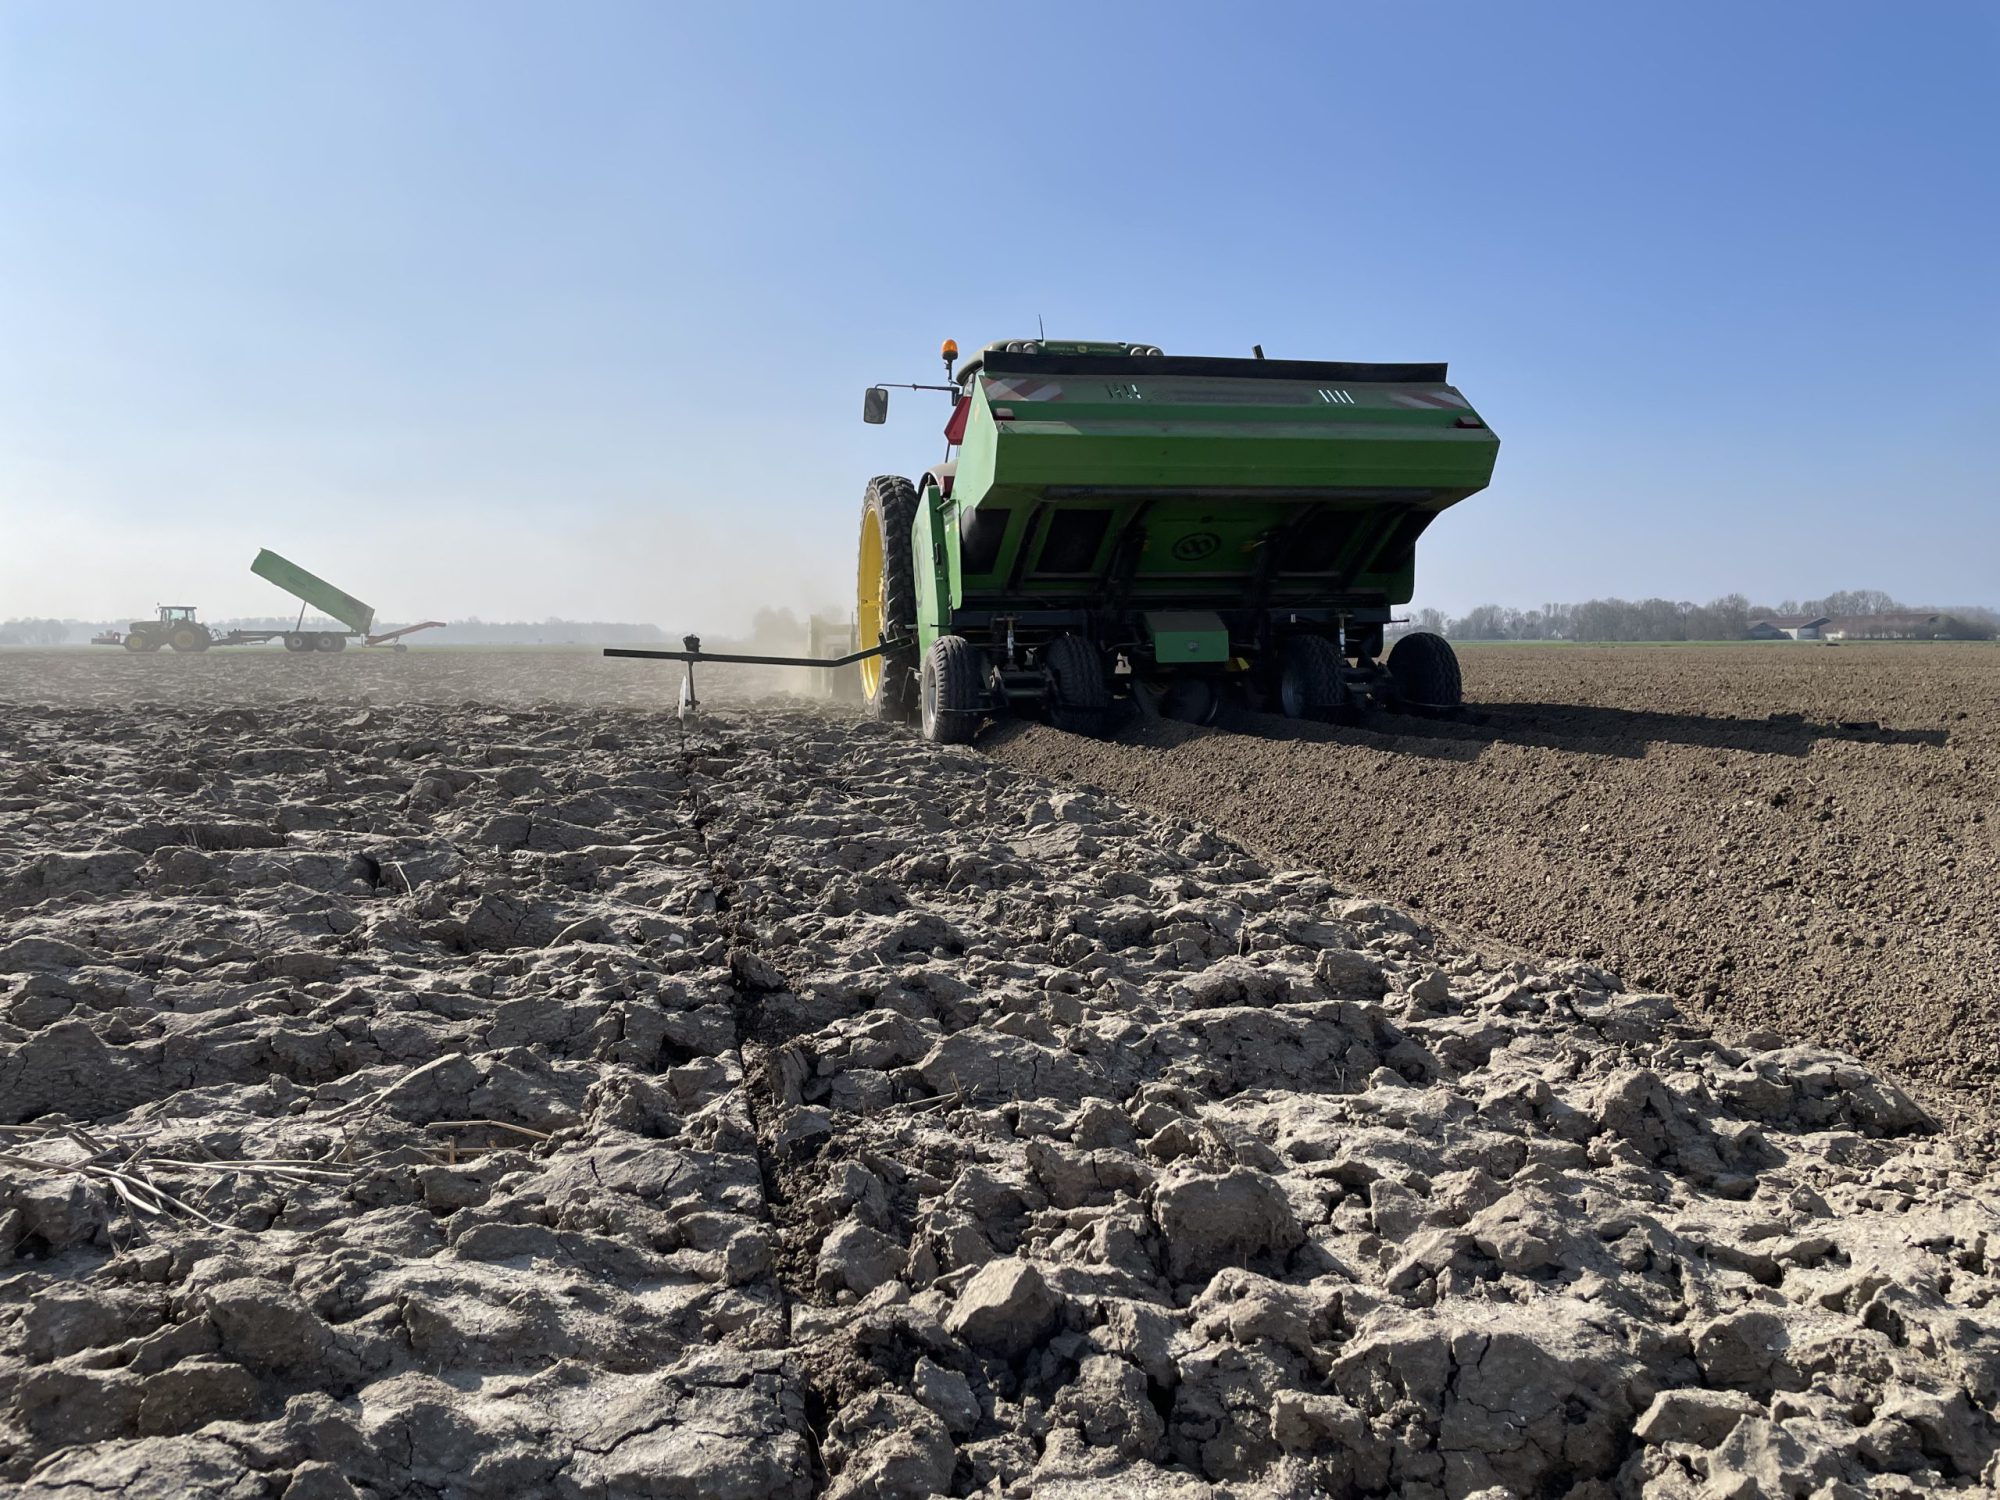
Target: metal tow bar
{"points": [[691, 653]]}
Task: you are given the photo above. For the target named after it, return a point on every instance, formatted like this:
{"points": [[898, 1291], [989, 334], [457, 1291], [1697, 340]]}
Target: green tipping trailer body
{"points": [[1114, 483], [315, 591]]}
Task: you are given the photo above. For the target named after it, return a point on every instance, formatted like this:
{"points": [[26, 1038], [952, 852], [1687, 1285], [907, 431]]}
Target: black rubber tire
{"points": [[326, 640], [1309, 678], [893, 501], [297, 641], [138, 640], [1080, 699], [951, 690], [186, 638], [1191, 700], [1424, 669]]}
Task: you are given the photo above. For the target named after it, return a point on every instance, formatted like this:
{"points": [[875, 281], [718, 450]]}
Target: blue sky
{"points": [[525, 310]]}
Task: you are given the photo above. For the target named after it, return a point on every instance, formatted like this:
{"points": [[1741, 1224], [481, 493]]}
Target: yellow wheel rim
{"points": [[868, 601]]}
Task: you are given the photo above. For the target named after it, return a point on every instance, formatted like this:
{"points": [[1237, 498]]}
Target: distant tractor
{"points": [[177, 627]]}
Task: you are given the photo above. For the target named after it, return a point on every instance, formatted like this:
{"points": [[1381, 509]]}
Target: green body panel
{"points": [[1187, 637], [1197, 483], [316, 591], [933, 548]]}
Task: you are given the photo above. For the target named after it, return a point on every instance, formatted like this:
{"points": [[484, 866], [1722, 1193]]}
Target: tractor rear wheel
{"points": [[952, 687], [138, 640], [1424, 669], [187, 638], [1080, 698], [1309, 678], [885, 596]]}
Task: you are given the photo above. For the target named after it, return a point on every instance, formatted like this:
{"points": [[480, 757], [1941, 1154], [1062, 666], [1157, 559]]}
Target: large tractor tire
{"points": [[1080, 697], [187, 638], [1424, 669], [326, 640], [885, 596], [952, 690], [1309, 678], [138, 640]]}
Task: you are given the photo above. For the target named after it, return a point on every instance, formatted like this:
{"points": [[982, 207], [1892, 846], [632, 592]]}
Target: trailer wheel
{"points": [[885, 596], [1191, 700], [1309, 678], [1079, 697], [951, 688], [297, 641], [1424, 669], [326, 640], [138, 640]]}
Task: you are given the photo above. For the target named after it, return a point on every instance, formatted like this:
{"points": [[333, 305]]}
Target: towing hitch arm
{"points": [[691, 653], [694, 653]]}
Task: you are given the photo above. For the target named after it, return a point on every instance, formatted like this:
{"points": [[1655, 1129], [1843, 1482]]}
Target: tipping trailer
{"points": [[176, 625], [1111, 522]]}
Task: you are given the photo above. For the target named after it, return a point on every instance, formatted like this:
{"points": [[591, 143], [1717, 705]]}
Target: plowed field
{"points": [[1795, 839]]}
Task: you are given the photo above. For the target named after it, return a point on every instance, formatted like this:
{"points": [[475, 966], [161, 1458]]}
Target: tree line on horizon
{"points": [[468, 632], [1726, 619]]}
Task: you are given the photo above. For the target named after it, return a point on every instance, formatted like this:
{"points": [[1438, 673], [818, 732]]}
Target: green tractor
{"points": [[1113, 524], [176, 627]]}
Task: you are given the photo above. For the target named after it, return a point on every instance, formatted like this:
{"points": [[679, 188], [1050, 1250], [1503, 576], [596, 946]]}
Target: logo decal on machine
{"points": [[1196, 545]]}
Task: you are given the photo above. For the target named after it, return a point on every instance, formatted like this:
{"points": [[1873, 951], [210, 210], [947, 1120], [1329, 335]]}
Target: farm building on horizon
{"points": [[1903, 625], [1789, 628]]}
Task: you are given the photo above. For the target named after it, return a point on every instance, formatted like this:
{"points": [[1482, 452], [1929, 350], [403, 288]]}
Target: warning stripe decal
{"points": [[1023, 388], [1038, 388]]}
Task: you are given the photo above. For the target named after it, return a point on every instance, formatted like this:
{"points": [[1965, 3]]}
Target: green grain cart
{"points": [[1111, 521]]}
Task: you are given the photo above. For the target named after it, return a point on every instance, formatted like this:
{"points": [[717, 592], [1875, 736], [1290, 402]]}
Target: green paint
{"points": [[1187, 637], [316, 591], [1187, 512]]}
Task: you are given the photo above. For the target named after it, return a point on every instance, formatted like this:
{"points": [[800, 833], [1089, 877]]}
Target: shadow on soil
{"points": [[1573, 727]]}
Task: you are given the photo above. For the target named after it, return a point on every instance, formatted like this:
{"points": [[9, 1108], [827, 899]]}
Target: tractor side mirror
{"points": [[875, 405]]}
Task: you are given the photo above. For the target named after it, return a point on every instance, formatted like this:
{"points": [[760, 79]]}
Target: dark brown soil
{"points": [[1798, 839]]}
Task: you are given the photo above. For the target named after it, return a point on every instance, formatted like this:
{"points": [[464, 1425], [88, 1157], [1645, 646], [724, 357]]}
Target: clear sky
{"points": [[520, 310]]}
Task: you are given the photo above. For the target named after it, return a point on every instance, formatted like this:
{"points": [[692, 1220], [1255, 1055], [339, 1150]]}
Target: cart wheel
{"points": [[1309, 678], [950, 686], [1079, 697], [1424, 669], [295, 641], [328, 641], [1192, 700]]}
